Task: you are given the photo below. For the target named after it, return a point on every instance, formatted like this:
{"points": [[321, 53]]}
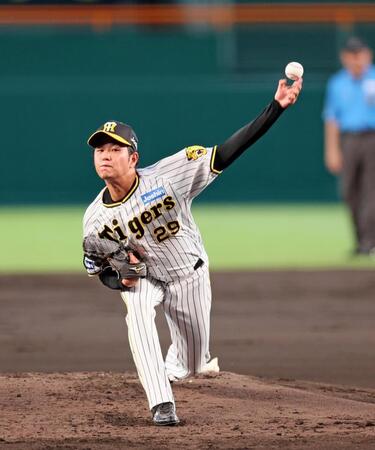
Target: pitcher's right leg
{"points": [[144, 340]]}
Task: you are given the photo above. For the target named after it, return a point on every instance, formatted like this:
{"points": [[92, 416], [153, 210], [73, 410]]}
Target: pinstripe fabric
{"points": [[187, 308], [144, 341], [182, 180], [187, 305], [159, 206]]}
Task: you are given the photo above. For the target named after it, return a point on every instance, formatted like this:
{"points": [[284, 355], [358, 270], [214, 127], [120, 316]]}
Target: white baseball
{"points": [[294, 70]]}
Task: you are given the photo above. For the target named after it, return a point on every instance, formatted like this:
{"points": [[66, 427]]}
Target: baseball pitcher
{"points": [[141, 239]]}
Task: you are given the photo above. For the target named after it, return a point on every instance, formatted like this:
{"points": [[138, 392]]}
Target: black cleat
{"points": [[164, 414]]}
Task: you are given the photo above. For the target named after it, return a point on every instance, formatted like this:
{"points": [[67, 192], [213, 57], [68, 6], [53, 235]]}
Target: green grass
{"points": [[48, 239], [42, 239], [278, 236]]}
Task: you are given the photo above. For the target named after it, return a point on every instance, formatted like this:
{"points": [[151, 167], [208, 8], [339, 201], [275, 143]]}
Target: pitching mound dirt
{"points": [[226, 411]]}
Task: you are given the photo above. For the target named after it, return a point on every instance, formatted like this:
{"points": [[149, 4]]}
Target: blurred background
{"points": [[181, 73]]}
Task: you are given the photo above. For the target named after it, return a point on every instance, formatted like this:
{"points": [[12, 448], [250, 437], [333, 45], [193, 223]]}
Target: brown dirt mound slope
{"points": [[104, 410]]}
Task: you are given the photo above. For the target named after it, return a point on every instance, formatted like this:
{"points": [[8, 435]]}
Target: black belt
{"points": [[358, 133], [198, 264]]}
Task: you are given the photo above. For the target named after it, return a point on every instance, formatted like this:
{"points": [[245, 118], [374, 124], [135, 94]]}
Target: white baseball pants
{"points": [[186, 304]]}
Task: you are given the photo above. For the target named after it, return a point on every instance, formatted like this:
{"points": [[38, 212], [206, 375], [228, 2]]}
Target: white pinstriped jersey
{"points": [[155, 217]]}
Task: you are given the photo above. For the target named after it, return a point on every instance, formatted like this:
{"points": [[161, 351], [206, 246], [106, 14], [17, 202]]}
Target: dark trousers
{"points": [[358, 185]]}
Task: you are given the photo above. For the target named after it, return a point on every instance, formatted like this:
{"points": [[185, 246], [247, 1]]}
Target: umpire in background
{"points": [[349, 116]]}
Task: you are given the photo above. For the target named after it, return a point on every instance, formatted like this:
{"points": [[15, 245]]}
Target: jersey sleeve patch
{"points": [[194, 152]]}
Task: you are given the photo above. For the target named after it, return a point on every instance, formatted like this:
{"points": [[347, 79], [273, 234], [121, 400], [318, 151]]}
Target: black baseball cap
{"points": [[354, 44], [118, 131]]}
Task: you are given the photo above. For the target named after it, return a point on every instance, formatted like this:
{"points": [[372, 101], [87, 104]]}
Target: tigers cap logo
{"points": [[110, 127], [114, 130]]}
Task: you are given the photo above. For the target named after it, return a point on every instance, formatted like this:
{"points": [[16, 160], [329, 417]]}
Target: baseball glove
{"points": [[100, 254]]}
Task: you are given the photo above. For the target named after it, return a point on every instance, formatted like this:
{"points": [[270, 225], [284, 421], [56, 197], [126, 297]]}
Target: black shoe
{"points": [[359, 252], [164, 414], [369, 252]]}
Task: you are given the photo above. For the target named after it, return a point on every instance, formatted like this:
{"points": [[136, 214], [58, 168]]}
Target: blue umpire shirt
{"points": [[350, 102]]}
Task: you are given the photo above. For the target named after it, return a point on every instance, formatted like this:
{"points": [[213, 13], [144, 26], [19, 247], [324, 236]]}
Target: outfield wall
{"points": [[177, 86]]}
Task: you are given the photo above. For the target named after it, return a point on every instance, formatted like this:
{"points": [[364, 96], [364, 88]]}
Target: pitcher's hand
{"points": [[287, 95]]}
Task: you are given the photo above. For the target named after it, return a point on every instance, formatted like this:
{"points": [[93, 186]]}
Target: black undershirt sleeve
{"points": [[245, 137], [110, 278]]}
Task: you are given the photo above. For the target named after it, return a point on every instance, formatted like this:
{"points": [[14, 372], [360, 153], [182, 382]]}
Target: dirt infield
{"points": [[304, 342], [103, 411]]}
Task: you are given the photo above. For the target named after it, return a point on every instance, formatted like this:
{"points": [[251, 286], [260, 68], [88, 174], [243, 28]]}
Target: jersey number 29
{"points": [[163, 233]]}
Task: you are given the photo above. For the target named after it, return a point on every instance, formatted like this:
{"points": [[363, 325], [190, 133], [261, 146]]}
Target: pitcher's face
{"points": [[112, 161]]}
